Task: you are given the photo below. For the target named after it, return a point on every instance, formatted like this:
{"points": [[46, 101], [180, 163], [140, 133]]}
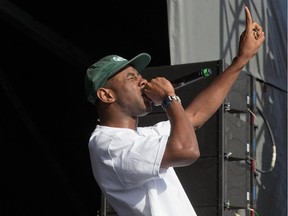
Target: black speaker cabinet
{"points": [[221, 181]]}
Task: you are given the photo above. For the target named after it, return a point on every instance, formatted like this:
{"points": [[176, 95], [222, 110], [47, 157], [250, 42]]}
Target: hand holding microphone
{"points": [[157, 89], [160, 87]]}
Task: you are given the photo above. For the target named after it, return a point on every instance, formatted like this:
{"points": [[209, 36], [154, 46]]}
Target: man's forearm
{"points": [[205, 104], [209, 100]]}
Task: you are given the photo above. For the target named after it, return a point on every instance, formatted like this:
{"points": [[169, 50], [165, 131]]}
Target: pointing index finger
{"points": [[248, 17]]}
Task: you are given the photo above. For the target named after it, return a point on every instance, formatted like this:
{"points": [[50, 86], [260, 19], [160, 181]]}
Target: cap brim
{"points": [[140, 61]]}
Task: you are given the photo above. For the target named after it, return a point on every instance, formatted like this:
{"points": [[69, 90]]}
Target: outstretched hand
{"points": [[251, 39]]}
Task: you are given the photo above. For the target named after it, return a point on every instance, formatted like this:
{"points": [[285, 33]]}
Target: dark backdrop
{"points": [[45, 120]]}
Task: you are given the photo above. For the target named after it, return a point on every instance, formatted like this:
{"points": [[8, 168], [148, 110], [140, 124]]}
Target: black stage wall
{"points": [[45, 119]]}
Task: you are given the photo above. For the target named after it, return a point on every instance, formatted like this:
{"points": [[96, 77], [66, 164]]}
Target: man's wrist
{"points": [[168, 100], [240, 62]]}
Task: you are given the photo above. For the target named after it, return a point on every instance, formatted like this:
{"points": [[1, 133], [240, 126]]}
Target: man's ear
{"points": [[106, 95]]}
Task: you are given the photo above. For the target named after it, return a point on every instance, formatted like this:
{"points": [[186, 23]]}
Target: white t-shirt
{"points": [[126, 166]]}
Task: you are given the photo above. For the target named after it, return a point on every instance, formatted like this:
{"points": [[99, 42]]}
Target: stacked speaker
{"points": [[221, 181], [239, 147]]}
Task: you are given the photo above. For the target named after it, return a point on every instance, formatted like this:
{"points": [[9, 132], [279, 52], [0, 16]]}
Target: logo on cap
{"points": [[118, 58]]}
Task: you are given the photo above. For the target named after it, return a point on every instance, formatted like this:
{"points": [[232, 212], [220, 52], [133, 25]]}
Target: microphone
{"points": [[200, 74]]}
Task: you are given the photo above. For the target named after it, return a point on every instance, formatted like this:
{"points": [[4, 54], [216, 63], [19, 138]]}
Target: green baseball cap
{"points": [[98, 73]]}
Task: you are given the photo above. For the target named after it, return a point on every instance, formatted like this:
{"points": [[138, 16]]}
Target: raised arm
{"points": [[205, 104]]}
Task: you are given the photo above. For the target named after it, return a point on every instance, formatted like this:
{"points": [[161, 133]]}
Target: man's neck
{"points": [[130, 123]]}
